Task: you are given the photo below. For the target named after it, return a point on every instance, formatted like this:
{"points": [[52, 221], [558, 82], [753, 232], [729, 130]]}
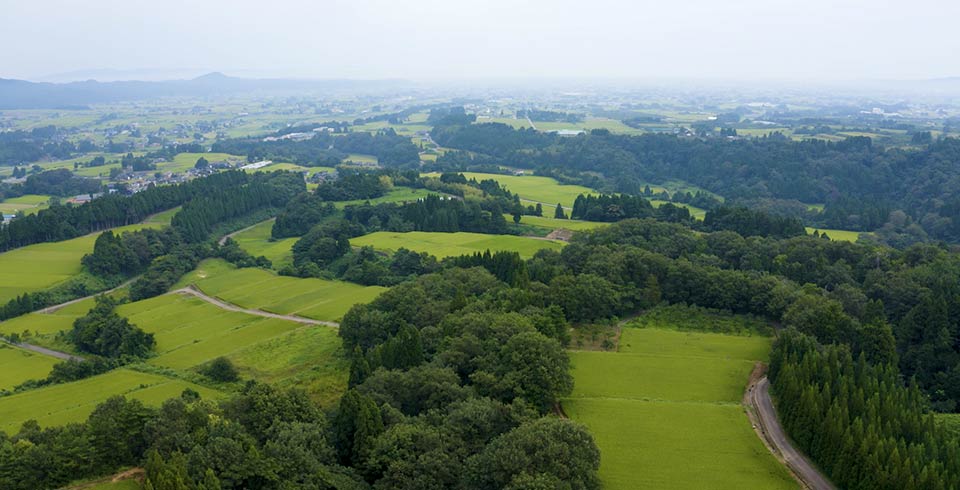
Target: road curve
{"points": [[194, 291], [777, 439]]}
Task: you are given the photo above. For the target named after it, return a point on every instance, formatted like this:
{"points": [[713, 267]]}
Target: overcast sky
{"points": [[458, 39]]}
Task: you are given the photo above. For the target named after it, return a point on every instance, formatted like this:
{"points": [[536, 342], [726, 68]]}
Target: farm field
{"points": [[19, 365], [319, 299], [453, 244], [553, 224], [398, 195], [838, 235], [696, 212], [185, 161], [531, 188], [256, 241], [73, 402], [665, 411], [28, 204], [190, 331], [40, 266]]}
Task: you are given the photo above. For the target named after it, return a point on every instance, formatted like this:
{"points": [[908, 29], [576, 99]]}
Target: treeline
{"points": [[857, 420], [550, 116], [617, 207], [48, 142], [748, 222], [325, 149], [60, 182], [810, 171], [62, 222]]}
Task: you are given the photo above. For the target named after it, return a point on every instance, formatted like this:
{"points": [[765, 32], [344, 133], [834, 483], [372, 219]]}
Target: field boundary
{"points": [[194, 291]]}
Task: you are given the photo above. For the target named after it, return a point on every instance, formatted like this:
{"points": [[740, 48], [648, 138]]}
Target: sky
{"points": [[482, 39]]}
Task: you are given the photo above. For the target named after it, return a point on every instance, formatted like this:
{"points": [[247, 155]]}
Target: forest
{"points": [[860, 183]]}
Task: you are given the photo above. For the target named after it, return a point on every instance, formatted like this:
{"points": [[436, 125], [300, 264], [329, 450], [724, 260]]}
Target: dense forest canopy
{"points": [[859, 182]]}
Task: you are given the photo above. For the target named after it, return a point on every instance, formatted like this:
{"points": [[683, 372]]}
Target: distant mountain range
{"points": [[22, 94]]}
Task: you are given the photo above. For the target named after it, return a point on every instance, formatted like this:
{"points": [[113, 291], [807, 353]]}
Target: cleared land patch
{"points": [[73, 402], [453, 244], [554, 224], [666, 413], [838, 235], [319, 299], [256, 241], [536, 189], [19, 365]]}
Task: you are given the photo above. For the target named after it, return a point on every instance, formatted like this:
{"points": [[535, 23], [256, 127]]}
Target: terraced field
{"points": [[318, 299], [190, 331], [553, 224], [256, 241], [28, 204], [454, 244], [666, 411], [536, 189], [19, 365], [73, 402]]}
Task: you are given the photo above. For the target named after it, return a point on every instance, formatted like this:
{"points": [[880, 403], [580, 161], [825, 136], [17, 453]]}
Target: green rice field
{"points": [[531, 188], [185, 161], [397, 195], [454, 244], [838, 235], [28, 204], [665, 411], [19, 365], [319, 299], [554, 224], [256, 241], [190, 331], [73, 402]]}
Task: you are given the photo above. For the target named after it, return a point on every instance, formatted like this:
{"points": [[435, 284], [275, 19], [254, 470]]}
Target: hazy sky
{"points": [[454, 39]]}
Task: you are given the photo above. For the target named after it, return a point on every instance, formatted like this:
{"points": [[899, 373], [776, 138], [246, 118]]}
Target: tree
{"points": [[560, 213], [221, 369], [201, 164], [538, 210]]}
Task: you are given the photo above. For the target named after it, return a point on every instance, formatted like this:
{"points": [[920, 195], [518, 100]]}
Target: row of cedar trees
{"points": [[858, 421]]}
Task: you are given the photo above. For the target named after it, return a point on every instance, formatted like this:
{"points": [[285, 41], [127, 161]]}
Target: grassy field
{"points": [[397, 194], [696, 212], [453, 244], [185, 161], [36, 267], [537, 189], [553, 224], [73, 402], [310, 358], [190, 331], [19, 365], [319, 299], [666, 411], [256, 241], [28, 204], [838, 235]]}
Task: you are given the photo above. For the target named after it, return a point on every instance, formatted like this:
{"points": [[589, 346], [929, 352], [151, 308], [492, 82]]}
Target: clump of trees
{"points": [[102, 332]]}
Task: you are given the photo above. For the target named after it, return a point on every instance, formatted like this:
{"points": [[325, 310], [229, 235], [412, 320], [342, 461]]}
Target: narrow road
{"points": [[231, 235], [193, 291], [47, 352], [777, 439], [51, 309]]}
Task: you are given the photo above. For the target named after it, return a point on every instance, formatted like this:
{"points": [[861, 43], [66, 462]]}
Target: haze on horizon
{"points": [[480, 39]]}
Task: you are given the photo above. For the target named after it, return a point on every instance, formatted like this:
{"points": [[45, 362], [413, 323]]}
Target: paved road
{"points": [[51, 309], [193, 291], [775, 436]]}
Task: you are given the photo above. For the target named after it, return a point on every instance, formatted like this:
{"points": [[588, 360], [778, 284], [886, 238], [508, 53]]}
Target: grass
{"points": [[73, 402], [190, 331], [698, 213], [531, 188], [256, 241], [319, 299], [28, 204], [310, 358], [19, 365], [665, 411], [453, 244], [120, 485], [839, 235], [553, 224], [43, 265], [397, 195], [185, 161]]}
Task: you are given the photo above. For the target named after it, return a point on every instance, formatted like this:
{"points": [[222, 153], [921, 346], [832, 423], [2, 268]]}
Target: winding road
{"points": [[193, 291], [780, 445]]}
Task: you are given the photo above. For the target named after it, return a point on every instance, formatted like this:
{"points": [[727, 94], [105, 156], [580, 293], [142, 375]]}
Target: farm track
{"points": [[51, 309], [194, 291], [47, 352], [231, 235], [776, 439]]}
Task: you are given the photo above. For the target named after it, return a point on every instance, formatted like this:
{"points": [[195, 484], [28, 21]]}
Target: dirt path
{"points": [[193, 291], [51, 309], [231, 235], [45, 351], [763, 415]]}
